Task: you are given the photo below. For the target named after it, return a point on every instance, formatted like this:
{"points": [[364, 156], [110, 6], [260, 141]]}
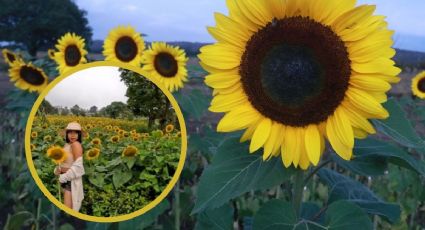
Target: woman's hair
{"points": [[80, 137]]}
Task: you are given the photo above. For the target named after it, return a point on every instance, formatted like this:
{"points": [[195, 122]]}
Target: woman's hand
{"points": [[63, 170]]}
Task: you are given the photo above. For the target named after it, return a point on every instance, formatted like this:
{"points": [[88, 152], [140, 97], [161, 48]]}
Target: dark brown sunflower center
{"points": [[72, 55], [165, 64], [56, 155], [32, 76], [421, 85], [295, 71], [126, 49], [10, 57], [92, 153]]}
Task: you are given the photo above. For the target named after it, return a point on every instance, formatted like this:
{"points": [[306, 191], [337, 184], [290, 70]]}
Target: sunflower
{"points": [[57, 154], [130, 151], [167, 64], [27, 76], [70, 53], [125, 45], [10, 57], [32, 147], [169, 128], [47, 138], [115, 139], [92, 154], [292, 73], [34, 135], [135, 138], [418, 85], [51, 53], [96, 141]]}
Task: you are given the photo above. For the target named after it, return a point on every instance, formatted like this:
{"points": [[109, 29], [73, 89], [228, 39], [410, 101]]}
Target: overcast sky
{"points": [[186, 20], [97, 86]]}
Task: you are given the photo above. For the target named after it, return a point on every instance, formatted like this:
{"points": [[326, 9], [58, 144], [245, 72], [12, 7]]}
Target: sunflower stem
{"points": [[59, 191], [177, 205], [298, 191]]}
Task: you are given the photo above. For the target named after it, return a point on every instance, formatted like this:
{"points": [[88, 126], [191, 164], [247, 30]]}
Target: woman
{"points": [[71, 170]]}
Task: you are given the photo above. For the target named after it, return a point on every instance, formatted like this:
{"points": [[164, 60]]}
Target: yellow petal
{"points": [[290, 145], [262, 132], [343, 127], [312, 144], [249, 132], [336, 8], [363, 29], [304, 161], [236, 14], [225, 103], [274, 135], [342, 150], [223, 79], [381, 66], [369, 83], [231, 28], [220, 56], [359, 133], [366, 103], [358, 120], [237, 119], [277, 7], [353, 17], [279, 141], [299, 134]]}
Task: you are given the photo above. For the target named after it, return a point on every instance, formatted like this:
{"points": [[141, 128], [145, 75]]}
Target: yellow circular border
{"points": [[153, 203]]}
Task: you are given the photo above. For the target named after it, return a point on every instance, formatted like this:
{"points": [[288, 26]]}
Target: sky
{"points": [[83, 88], [186, 20]]}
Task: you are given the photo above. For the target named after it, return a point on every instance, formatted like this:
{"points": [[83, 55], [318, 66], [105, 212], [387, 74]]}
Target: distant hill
{"points": [[413, 59], [191, 48]]}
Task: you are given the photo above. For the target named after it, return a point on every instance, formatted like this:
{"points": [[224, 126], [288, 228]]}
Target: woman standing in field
{"points": [[71, 170]]}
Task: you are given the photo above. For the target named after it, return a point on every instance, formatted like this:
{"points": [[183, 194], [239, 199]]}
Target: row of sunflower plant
{"points": [[125, 169]]}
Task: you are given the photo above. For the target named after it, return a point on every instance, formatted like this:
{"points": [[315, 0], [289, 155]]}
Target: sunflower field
{"points": [[126, 166]]}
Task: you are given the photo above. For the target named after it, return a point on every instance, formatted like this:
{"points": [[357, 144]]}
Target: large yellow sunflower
{"points": [[292, 73], [167, 64], [27, 76], [71, 52], [57, 154], [418, 85], [125, 45], [10, 57]]}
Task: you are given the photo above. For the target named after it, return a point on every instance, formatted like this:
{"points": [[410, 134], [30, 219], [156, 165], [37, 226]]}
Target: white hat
{"points": [[73, 126]]}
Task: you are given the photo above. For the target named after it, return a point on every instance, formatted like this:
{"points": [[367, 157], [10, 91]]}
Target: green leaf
{"points": [[309, 211], [219, 218], [66, 226], [233, 172], [280, 215], [206, 143], [97, 179], [345, 188], [363, 165], [129, 161], [372, 147], [18, 220], [275, 214], [147, 219], [343, 215], [398, 127], [119, 177], [193, 104]]}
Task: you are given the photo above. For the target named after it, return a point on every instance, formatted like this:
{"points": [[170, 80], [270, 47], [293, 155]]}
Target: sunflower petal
{"points": [[312, 144], [332, 133], [262, 132]]}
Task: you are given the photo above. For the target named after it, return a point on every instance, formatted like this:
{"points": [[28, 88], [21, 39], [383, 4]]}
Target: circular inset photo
{"points": [[106, 143]]}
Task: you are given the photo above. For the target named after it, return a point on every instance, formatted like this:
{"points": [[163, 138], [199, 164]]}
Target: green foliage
{"points": [[219, 218], [37, 24], [341, 215], [398, 127], [113, 184], [194, 105], [345, 188], [234, 172]]}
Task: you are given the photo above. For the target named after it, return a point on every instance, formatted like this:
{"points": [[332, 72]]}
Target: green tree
{"points": [[115, 109], [48, 108], [36, 24], [146, 99], [76, 110]]}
